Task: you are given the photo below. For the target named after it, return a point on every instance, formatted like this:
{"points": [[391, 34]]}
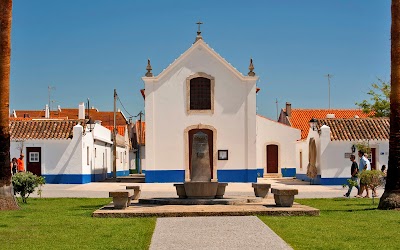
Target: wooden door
{"points": [[272, 158], [34, 160], [209, 134], [372, 158]]}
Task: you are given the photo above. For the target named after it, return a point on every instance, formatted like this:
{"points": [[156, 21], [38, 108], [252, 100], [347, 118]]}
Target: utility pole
{"points": [[115, 137], [276, 102], [329, 76], [140, 136]]}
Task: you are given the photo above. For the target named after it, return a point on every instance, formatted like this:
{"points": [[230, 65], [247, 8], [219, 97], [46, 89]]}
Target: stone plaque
{"points": [[200, 158]]}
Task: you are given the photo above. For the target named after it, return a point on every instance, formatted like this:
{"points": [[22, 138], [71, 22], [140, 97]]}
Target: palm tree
{"points": [[7, 200], [391, 197]]}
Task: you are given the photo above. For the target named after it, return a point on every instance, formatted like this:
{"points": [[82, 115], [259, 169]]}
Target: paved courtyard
{"points": [[151, 190]]}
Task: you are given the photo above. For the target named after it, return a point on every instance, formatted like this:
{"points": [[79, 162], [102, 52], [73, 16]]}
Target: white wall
{"points": [[234, 115], [331, 161], [272, 132]]}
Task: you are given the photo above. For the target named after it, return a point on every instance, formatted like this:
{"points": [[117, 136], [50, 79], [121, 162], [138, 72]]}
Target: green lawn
{"points": [[343, 224], [67, 224]]}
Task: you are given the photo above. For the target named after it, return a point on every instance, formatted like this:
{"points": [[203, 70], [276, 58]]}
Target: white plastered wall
{"points": [[234, 115], [271, 132]]}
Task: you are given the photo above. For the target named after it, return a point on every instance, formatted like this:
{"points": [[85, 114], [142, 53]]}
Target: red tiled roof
{"points": [[300, 117], [357, 128], [120, 129], [106, 117], [41, 129], [140, 132]]}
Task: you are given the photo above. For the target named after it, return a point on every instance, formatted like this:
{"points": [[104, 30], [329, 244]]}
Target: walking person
{"points": [[14, 166], [364, 165], [20, 162], [354, 176]]}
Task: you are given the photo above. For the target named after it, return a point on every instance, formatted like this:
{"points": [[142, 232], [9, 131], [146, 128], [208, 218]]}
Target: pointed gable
{"points": [[200, 45]]}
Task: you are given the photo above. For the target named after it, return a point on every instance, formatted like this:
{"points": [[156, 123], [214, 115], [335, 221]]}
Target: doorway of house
{"points": [[372, 158], [209, 135], [34, 160], [272, 158]]}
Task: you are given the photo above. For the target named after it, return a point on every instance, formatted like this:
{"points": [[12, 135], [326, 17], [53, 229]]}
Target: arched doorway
{"points": [[272, 159], [201, 154]]}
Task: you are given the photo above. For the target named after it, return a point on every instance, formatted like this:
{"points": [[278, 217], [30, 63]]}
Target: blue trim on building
{"points": [[322, 181], [79, 178], [288, 172], [237, 175], [260, 172], [67, 178], [162, 176]]}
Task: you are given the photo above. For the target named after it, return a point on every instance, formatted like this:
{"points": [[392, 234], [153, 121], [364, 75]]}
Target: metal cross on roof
{"points": [[199, 23]]}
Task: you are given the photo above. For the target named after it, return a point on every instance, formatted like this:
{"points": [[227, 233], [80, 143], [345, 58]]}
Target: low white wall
{"points": [[271, 132]]}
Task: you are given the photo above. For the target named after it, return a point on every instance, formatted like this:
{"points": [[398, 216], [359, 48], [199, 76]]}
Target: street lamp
{"points": [[313, 123], [90, 123]]}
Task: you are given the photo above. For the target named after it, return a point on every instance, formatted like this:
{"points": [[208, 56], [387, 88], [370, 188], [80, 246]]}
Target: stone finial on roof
{"points": [[251, 68], [148, 68], [198, 37]]}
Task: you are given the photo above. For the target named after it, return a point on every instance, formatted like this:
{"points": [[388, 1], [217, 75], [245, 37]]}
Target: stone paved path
{"points": [[229, 232]]}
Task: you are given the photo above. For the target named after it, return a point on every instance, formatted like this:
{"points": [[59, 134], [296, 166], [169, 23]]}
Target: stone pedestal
{"points": [[261, 189], [201, 190], [221, 190], [136, 190], [121, 198], [284, 197], [180, 191]]}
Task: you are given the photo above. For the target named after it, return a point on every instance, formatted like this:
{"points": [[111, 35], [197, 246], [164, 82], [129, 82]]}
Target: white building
{"points": [[200, 92], [334, 141], [64, 151]]}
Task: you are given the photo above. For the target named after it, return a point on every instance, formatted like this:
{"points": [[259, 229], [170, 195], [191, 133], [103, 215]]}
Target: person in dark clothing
{"points": [[354, 176]]}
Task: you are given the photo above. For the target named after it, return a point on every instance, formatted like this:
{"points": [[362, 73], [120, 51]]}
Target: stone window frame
{"points": [[212, 86]]}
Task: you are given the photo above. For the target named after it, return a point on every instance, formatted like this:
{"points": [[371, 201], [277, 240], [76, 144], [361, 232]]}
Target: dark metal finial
{"points": [[251, 68], [198, 37], [148, 68]]}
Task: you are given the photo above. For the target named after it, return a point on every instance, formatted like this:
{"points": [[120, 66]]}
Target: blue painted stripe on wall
{"points": [[163, 176], [240, 175], [323, 181], [260, 172], [288, 172], [237, 175], [67, 178]]}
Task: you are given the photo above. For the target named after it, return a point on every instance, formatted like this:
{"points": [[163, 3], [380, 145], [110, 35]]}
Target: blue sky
{"points": [[85, 49]]}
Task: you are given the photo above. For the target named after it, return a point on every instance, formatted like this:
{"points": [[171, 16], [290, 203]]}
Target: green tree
{"points": [[379, 103], [391, 197], [7, 200]]}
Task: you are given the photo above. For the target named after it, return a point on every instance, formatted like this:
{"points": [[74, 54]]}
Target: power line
{"points": [[123, 106]]}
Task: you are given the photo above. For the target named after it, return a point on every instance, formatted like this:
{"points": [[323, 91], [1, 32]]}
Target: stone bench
{"points": [[180, 190], [137, 191], [284, 197], [261, 189], [121, 198]]}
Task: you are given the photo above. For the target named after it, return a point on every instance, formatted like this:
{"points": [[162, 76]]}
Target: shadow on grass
{"points": [[347, 210]]}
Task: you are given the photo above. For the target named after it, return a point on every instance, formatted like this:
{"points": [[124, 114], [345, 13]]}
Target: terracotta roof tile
{"points": [[41, 129], [120, 129], [300, 117], [106, 117], [357, 128]]}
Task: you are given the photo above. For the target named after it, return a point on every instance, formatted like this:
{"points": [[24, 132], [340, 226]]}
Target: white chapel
{"points": [[201, 94]]}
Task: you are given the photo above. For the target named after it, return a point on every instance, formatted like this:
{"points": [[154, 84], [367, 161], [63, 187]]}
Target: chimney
{"points": [[46, 112], [288, 109], [59, 108], [330, 116], [81, 114]]}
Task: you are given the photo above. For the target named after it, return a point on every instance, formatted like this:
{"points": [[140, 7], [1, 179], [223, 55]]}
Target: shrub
{"points": [[24, 184], [371, 178]]}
